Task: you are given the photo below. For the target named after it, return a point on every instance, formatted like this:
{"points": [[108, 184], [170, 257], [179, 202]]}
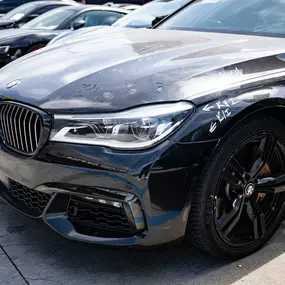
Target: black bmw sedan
{"points": [[27, 12], [8, 5], [180, 136], [37, 33]]}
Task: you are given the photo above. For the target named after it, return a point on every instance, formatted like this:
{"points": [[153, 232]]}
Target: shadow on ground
{"points": [[43, 257]]}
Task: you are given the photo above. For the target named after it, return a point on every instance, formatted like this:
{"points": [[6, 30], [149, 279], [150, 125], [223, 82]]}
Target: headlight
{"points": [[4, 49], [133, 129]]}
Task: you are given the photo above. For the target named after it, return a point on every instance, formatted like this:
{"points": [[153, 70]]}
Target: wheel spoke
{"points": [[231, 179], [259, 227], [234, 173], [229, 217], [232, 218], [271, 185], [265, 152]]}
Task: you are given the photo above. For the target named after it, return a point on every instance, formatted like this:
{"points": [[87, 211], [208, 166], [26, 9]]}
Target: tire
{"points": [[203, 231]]}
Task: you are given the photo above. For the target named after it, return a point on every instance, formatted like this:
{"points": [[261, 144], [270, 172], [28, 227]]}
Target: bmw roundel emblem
{"points": [[13, 84]]}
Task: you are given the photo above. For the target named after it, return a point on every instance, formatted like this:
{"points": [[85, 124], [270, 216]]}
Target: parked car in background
{"points": [[150, 14], [8, 5], [146, 16], [37, 33], [27, 12], [131, 2], [130, 7], [149, 136], [126, 6]]}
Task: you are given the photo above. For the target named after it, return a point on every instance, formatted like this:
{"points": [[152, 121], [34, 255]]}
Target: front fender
{"points": [[213, 120]]}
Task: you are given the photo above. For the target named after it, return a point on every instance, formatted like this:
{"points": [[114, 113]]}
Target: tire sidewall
{"points": [[216, 164]]}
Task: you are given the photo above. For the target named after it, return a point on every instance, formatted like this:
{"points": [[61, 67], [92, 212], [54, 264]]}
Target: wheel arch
{"points": [[34, 44], [270, 107], [213, 121]]}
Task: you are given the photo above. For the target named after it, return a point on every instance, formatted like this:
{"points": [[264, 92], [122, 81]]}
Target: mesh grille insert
{"points": [[98, 216], [32, 199]]}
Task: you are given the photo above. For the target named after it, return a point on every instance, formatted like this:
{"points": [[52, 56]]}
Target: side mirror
{"points": [[78, 24]]}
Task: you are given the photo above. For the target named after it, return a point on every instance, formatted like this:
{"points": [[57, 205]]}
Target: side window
{"points": [[97, 18], [46, 9]]}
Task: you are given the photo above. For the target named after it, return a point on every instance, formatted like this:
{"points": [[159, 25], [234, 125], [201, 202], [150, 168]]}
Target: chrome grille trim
{"points": [[26, 144], [12, 131], [16, 129], [7, 124], [2, 120], [30, 132], [22, 127]]}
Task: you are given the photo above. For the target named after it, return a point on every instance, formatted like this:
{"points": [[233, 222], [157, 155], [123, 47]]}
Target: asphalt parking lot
{"points": [[33, 254]]}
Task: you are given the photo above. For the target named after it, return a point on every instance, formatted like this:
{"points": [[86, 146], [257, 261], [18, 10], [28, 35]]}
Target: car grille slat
{"points": [[36, 131], [16, 129], [21, 127], [7, 123], [4, 130], [20, 131], [12, 127], [30, 132], [25, 133]]}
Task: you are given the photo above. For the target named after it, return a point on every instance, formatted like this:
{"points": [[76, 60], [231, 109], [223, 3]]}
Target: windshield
{"points": [[19, 12], [261, 17], [144, 16], [50, 20]]}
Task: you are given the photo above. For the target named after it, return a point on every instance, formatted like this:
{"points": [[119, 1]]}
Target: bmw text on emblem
{"points": [[13, 84]]}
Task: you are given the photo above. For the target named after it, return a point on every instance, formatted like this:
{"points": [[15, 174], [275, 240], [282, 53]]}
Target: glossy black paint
{"points": [[157, 66], [22, 40], [226, 77], [161, 183]]}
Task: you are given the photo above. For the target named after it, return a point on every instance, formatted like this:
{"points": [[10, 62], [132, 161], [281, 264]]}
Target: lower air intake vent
{"points": [[91, 215], [32, 199]]}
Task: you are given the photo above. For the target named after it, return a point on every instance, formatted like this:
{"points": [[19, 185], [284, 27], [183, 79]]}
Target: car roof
{"points": [[54, 2], [82, 7], [61, 1], [122, 5]]}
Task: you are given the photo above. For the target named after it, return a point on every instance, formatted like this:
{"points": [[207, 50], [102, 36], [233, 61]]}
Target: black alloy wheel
{"points": [[247, 198], [239, 203]]}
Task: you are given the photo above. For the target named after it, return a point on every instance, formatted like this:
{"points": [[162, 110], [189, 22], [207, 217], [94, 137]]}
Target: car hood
{"points": [[134, 67], [12, 35], [70, 36]]}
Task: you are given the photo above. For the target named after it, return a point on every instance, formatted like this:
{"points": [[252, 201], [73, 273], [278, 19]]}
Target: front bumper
{"points": [[95, 194]]}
